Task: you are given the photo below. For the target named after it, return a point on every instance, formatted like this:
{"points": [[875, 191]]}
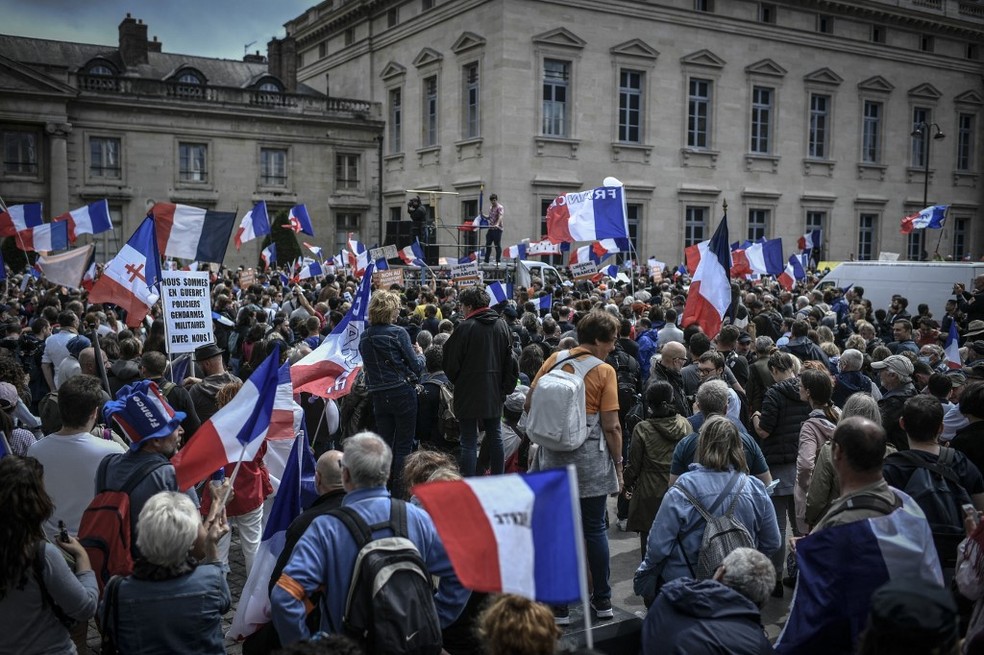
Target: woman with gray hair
{"points": [[149, 611], [849, 378], [719, 484]]}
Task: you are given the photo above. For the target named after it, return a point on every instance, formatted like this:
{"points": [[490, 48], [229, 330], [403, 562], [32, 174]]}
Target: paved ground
{"points": [[625, 556]]}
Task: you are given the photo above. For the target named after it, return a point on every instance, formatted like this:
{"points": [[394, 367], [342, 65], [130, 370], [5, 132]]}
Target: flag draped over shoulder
{"points": [[710, 290], [296, 492], [245, 421], [588, 216], [330, 369], [841, 566], [509, 533], [130, 279], [200, 235]]}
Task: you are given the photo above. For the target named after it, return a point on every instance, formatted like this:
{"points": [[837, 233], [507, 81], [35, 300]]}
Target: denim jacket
{"points": [[181, 615], [388, 358]]}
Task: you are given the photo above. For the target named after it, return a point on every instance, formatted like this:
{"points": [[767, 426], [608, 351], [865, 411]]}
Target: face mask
{"points": [[924, 360]]}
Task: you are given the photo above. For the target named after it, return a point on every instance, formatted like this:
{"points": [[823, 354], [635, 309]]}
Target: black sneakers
{"points": [[562, 614], [602, 608]]}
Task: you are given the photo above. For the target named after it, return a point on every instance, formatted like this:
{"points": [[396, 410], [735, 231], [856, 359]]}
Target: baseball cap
{"points": [[8, 395], [897, 364]]}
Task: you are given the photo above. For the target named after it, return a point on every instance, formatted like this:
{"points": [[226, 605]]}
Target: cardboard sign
{"points": [[469, 281], [187, 310], [583, 270], [467, 270], [247, 278], [385, 252], [389, 277]]}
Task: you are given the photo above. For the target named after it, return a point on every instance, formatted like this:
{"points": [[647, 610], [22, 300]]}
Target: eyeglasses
{"points": [[678, 359], [706, 371]]}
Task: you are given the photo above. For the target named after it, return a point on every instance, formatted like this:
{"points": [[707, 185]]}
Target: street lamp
{"points": [[922, 129]]}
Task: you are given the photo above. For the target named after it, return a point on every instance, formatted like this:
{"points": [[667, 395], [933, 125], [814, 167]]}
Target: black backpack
{"points": [[627, 377], [937, 490], [390, 606]]}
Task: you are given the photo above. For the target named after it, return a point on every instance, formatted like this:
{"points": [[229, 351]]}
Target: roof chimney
{"points": [[254, 58], [282, 58], [133, 42], [155, 45]]}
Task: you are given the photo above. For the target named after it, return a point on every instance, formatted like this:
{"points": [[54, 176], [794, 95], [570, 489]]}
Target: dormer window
{"points": [[269, 87], [269, 91], [189, 84], [99, 76]]}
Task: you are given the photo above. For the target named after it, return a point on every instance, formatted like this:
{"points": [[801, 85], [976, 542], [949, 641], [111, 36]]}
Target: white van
{"points": [[919, 282]]}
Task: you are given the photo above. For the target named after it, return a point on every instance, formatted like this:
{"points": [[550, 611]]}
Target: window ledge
{"points": [[699, 158], [112, 192], [429, 156], [469, 148], [396, 156], [913, 173], [191, 196], [821, 167], [555, 146], [871, 171], [761, 163], [965, 179], [427, 149], [639, 153]]}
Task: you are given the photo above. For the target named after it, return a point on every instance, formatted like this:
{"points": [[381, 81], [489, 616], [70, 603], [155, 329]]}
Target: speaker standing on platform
{"points": [[418, 214], [494, 235]]}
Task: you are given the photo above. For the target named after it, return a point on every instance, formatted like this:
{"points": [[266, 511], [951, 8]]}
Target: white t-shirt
{"points": [[56, 348], [70, 463]]}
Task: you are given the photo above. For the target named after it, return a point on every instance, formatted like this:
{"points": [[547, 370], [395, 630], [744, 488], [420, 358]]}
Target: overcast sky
{"points": [[211, 28]]}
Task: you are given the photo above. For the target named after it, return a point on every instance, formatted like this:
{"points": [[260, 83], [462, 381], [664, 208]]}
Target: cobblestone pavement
{"points": [[625, 557]]}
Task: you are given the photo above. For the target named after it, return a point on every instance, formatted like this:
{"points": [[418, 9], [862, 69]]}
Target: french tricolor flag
{"points": [[316, 250], [765, 257], [413, 255], [296, 493], [952, 347], [610, 271], [710, 290], [588, 216], [255, 223], [470, 257], [810, 240], [517, 251], [269, 255], [933, 217], [311, 269], [793, 272], [832, 603], [330, 369], [44, 238], [693, 255], [544, 247], [583, 255], [94, 218], [130, 279], [338, 261], [499, 292], [192, 233], [607, 247], [236, 431], [512, 533], [300, 221], [544, 302], [357, 255], [17, 218]]}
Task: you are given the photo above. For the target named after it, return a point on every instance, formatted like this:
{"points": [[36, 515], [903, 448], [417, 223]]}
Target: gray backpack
{"points": [[722, 534]]}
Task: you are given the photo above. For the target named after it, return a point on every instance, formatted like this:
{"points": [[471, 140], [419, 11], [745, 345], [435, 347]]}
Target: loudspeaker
{"points": [[398, 233]]}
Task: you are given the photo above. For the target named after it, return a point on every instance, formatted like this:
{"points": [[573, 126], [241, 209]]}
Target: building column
{"points": [[58, 167]]}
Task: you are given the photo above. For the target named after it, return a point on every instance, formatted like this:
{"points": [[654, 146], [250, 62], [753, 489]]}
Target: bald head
{"points": [[329, 472], [861, 444], [87, 361], [673, 353]]}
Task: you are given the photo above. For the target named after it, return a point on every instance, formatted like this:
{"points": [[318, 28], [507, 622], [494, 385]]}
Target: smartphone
{"points": [[63, 533], [769, 488]]}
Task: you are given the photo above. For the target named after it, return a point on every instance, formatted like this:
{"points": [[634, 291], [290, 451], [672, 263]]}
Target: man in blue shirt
{"points": [[324, 558]]}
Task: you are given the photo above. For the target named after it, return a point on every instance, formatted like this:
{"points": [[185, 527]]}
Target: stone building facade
{"points": [[798, 115], [81, 122]]}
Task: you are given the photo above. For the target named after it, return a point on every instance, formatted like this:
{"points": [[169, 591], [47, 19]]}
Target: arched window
{"points": [[270, 87], [99, 76], [189, 77], [189, 83]]}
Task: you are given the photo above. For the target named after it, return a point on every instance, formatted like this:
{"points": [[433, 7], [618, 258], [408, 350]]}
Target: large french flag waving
{"points": [[255, 223], [130, 279], [793, 272], [94, 218], [200, 235], [510, 533], [710, 290], [236, 431], [589, 215], [20, 217], [330, 369]]}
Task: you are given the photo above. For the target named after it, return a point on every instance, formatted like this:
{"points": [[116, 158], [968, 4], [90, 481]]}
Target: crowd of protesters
{"points": [[782, 417]]}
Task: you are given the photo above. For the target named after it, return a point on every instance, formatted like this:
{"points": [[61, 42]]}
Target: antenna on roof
{"points": [[246, 48]]}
